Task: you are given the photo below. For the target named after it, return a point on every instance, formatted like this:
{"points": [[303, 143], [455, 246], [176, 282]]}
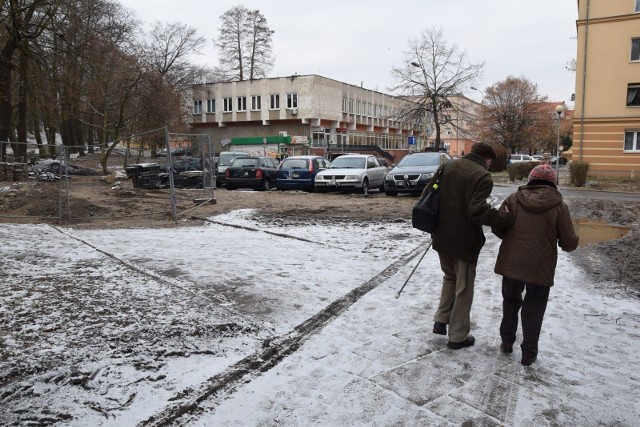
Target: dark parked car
{"points": [[184, 164], [413, 172], [224, 161], [299, 172], [554, 160], [251, 172]]}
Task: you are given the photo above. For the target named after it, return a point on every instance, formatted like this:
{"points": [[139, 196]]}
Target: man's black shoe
{"points": [[440, 328], [458, 345]]}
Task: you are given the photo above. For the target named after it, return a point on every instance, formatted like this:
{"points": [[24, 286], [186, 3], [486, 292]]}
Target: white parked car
{"points": [[519, 158], [352, 172]]}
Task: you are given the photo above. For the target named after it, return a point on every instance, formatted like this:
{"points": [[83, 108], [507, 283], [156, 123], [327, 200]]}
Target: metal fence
{"points": [[174, 172]]}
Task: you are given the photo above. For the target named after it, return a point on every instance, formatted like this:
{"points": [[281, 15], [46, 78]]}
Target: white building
{"points": [[333, 116]]}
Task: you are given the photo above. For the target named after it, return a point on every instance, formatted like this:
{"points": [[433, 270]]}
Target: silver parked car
{"points": [[519, 158], [352, 172]]}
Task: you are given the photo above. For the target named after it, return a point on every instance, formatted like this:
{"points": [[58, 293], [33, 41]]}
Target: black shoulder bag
{"points": [[425, 213]]}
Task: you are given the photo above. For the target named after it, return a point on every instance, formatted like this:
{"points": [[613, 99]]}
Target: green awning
{"points": [[259, 140]]}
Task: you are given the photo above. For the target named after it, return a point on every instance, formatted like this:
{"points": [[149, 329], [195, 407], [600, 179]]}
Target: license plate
{"points": [[296, 175], [246, 173]]}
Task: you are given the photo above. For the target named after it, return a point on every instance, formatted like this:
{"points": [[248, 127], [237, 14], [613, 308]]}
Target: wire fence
{"points": [[170, 173]]}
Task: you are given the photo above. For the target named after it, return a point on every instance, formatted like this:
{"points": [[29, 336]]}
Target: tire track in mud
{"points": [[273, 233], [222, 301], [187, 406]]}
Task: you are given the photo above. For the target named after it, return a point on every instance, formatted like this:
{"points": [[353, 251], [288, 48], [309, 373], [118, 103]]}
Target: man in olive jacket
{"points": [[528, 256], [465, 186]]}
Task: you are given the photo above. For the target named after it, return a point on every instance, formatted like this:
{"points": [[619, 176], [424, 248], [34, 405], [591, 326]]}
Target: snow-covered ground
{"points": [[289, 323]]}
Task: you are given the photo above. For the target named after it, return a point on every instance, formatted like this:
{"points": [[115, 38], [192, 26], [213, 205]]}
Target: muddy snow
{"points": [[250, 318]]}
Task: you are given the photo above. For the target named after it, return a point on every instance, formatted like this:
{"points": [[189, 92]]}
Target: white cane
{"points": [[413, 271]]}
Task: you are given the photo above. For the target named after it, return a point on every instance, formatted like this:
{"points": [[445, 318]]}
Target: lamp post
{"points": [[559, 111]]}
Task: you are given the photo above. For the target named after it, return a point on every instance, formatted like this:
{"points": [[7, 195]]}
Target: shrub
{"points": [[520, 170], [578, 171]]}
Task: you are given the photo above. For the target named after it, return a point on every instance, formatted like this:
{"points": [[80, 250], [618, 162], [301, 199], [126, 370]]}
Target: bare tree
{"points": [[169, 50], [433, 72], [260, 58], [513, 115], [245, 44], [22, 22]]}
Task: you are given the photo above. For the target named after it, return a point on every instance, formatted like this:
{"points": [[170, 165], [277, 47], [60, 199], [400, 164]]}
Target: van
{"points": [[224, 160]]}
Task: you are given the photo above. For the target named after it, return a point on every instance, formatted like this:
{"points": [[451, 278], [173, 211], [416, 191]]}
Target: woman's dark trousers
{"points": [[533, 307]]}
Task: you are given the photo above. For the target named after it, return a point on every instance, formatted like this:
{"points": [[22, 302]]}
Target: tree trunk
{"points": [[36, 131], [20, 149], [6, 55]]}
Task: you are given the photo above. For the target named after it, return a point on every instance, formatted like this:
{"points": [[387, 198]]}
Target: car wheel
{"points": [[266, 185], [391, 193], [365, 187]]}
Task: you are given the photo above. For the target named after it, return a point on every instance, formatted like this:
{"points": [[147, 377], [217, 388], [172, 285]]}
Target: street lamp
{"points": [[478, 90], [559, 111]]}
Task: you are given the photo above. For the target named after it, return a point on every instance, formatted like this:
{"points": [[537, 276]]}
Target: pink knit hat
{"points": [[545, 172]]}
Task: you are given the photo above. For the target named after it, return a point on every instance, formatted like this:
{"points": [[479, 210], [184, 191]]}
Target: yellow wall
{"points": [[605, 8], [599, 131], [609, 68]]}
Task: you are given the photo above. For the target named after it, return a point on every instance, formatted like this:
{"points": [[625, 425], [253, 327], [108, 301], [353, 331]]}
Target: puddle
{"points": [[593, 231]]}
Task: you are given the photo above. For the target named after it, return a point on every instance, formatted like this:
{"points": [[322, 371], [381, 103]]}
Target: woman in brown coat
{"points": [[528, 256]]}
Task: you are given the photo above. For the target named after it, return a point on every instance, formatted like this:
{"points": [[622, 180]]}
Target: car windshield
{"points": [[348, 163], [420, 160], [294, 164], [226, 159], [244, 163]]}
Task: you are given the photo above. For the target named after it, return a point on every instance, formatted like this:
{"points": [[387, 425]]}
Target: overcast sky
{"points": [[359, 41]]}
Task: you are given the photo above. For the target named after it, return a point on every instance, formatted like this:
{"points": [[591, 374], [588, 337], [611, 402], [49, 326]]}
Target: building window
{"points": [[351, 106], [345, 104], [256, 103], [228, 105], [632, 140], [242, 103], [358, 107], [211, 105], [197, 106], [633, 95], [637, 5], [274, 102], [635, 49], [292, 100]]}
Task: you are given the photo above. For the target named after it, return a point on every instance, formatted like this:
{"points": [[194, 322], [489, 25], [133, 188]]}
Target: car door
{"points": [[271, 169], [375, 172]]}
